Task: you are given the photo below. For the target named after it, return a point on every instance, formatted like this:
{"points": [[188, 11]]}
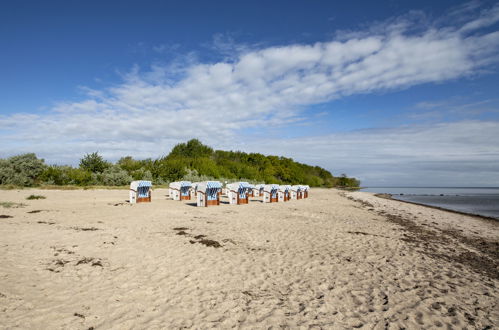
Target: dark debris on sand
{"points": [[4, 216], [85, 228], [207, 242], [486, 261], [46, 223], [92, 261], [197, 238]]}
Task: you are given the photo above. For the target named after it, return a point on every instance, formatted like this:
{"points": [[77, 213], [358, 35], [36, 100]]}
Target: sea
{"points": [[477, 201]]}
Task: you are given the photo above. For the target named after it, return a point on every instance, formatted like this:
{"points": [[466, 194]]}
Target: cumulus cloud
{"points": [[151, 110]]}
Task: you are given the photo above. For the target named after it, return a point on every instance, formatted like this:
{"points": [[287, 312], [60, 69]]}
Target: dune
{"points": [[86, 259]]}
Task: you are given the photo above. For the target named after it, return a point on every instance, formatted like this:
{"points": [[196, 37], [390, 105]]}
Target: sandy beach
{"points": [[86, 259]]}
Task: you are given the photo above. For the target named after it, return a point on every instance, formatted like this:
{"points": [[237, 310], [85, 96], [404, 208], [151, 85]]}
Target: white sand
{"points": [[324, 262]]}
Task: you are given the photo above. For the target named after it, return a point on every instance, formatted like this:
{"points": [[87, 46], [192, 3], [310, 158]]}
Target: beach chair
{"points": [[284, 193], [250, 190], [208, 193], [296, 192], [258, 190], [238, 192], [270, 193], [140, 191], [306, 188], [193, 191], [180, 191]]}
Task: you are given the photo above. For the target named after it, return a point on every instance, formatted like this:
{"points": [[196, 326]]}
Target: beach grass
{"points": [[9, 205]]}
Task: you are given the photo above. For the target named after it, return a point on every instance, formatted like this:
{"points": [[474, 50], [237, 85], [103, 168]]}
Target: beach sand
{"points": [[85, 259]]}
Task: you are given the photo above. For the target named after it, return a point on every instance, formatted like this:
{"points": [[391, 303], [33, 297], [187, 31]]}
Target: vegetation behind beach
{"points": [[192, 161]]}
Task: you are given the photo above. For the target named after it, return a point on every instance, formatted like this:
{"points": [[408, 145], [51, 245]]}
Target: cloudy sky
{"points": [[395, 93]]}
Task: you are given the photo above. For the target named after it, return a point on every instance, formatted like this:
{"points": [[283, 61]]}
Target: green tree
{"points": [[192, 149], [94, 163]]}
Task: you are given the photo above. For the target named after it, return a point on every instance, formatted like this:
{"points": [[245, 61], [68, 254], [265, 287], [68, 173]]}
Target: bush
{"points": [[168, 170], [67, 175], [115, 176], [142, 174], [80, 177], [56, 175], [21, 170]]}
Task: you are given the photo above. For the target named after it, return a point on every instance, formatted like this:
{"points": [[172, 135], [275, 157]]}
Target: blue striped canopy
{"points": [[213, 184], [185, 184], [143, 188], [243, 185]]}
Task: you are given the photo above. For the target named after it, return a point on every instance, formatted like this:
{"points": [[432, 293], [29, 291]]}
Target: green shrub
{"points": [[22, 170], [115, 176]]}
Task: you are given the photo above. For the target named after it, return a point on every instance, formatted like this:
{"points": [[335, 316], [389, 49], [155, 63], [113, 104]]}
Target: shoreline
{"points": [[479, 216], [422, 235]]}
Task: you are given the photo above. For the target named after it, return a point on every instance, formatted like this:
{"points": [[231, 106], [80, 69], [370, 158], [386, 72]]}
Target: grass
{"points": [[9, 205], [30, 197], [10, 187]]}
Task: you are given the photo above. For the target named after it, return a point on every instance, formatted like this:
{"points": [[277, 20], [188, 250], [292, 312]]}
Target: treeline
{"points": [[191, 161]]}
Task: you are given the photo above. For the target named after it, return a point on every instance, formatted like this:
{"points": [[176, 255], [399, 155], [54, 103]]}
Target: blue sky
{"points": [[392, 92]]}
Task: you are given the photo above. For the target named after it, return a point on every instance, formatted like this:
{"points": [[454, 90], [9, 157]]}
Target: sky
{"points": [[394, 93]]}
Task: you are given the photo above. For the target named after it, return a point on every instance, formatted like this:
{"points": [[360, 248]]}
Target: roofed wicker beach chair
{"points": [[270, 192], [180, 190], [306, 188], [193, 191], [140, 191], [238, 192], [296, 192], [284, 193], [258, 190], [208, 193], [250, 190]]}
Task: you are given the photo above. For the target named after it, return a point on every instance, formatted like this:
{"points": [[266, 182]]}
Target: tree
{"points": [[94, 163], [192, 149], [169, 170], [129, 164]]}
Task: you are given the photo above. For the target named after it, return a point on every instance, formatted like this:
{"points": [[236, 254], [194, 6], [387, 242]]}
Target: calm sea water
{"points": [[481, 201]]}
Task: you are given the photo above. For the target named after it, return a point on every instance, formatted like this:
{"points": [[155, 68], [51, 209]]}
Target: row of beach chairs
{"points": [[208, 193]]}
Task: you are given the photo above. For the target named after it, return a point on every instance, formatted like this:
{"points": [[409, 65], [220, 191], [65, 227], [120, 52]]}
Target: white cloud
{"points": [[453, 154], [148, 112]]}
